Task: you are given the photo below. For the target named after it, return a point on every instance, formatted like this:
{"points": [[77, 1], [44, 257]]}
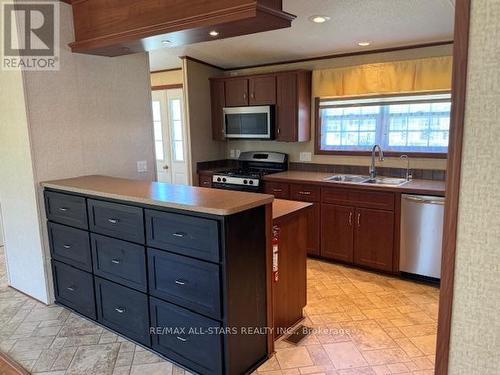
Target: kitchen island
{"points": [[181, 270]]}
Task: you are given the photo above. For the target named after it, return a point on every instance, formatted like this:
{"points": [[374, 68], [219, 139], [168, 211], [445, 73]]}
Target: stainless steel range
{"points": [[253, 166]]}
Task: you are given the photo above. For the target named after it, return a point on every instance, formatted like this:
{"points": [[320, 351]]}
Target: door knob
{"points": [[165, 167]]}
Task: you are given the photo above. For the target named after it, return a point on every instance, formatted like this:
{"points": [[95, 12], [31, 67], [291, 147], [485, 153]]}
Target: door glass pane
{"points": [[159, 150], [178, 151], [175, 105], [157, 130], [156, 110]]}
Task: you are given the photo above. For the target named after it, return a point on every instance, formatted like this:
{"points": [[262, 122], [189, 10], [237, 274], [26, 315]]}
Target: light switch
{"points": [[232, 153], [142, 166], [305, 156], [238, 152]]}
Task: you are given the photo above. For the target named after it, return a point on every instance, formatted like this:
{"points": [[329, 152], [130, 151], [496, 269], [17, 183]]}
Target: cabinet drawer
{"points": [[184, 281], [116, 220], [119, 261], [307, 193], [372, 199], [200, 352], [66, 209], [278, 189], [70, 245], [359, 198], [123, 309], [185, 235], [74, 288], [205, 180]]}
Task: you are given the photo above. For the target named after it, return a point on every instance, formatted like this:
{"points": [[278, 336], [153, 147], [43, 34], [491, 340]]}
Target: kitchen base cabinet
{"points": [[313, 230], [146, 267], [338, 232], [374, 239], [187, 337]]}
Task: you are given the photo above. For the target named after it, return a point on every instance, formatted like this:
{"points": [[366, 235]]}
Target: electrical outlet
{"points": [[305, 156], [142, 166], [232, 154]]}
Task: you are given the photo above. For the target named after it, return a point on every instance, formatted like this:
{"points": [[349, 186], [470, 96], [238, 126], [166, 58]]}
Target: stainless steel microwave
{"points": [[255, 122]]}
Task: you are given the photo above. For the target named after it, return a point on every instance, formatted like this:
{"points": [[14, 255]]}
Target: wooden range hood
{"points": [[121, 27]]}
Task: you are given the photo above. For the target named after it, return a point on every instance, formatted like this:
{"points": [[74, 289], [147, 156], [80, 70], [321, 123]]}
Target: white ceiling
{"points": [[386, 23]]}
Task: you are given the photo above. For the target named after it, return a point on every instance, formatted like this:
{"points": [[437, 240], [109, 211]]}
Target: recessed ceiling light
{"points": [[213, 33], [166, 42], [364, 44], [319, 19]]}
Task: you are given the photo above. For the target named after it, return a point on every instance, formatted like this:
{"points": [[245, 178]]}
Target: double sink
{"points": [[366, 180]]}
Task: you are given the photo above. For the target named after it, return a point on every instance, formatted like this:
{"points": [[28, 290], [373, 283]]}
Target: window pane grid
{"points": [[407, 127]]}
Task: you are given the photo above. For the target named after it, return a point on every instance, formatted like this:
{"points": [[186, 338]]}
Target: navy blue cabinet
{"points": [[183, 284], [190, 283], [187, 337], [70, 245], [119, 261]]}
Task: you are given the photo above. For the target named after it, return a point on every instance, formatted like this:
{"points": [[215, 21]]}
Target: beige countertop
{"points": [[283, 208], [189, 198], [429, 187]]}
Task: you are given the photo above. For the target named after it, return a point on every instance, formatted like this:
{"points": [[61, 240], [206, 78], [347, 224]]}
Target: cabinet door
{"points": [[286, 107], [205, 180], [337, 228], [218, 102], [374, 238], [236, 92], [313, 232], [262, 90]]}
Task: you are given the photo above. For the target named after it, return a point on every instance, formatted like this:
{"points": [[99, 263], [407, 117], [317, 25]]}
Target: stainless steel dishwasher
{"points": [[421, 235]]}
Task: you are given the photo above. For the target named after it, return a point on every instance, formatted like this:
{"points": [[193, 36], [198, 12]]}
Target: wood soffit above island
{"points": [[121, 27]]}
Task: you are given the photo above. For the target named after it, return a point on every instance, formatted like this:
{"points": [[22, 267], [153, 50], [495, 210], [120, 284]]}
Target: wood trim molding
{"points": [[347, 54], [167, 87], [201, 62], [165, 70], [7, 361], [459, 86]]}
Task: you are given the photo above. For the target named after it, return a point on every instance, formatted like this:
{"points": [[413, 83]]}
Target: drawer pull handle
{"points": [[71, 288], [115, 261], [181, 339], [63, 209], [120, 310], [67, 246], [180, 282], [304, 192], [277, 190], [179, 234], [113, 221]]}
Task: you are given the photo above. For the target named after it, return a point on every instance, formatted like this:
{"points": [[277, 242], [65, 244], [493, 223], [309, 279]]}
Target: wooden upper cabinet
{"points": [[289, 92], [374, 238], [293, 106], [262, 90], [218, 104], [236, 92], [337, 228]]}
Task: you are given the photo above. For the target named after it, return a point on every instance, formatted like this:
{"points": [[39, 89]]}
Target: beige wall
{"points": [[475, 338], [172, 77], [92, 117], [198, 110], [294, 149]]}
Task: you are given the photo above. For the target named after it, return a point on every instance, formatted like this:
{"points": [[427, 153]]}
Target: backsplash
{"points": [[425, 174]]}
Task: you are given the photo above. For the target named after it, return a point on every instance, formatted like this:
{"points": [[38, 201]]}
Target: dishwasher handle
{"points": [[425, 200]]}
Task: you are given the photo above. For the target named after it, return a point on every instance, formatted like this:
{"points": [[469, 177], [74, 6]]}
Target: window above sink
{"points": [[417, 124]]}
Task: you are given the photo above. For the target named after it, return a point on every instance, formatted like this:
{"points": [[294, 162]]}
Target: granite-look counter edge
{"points": [[182, 197]]}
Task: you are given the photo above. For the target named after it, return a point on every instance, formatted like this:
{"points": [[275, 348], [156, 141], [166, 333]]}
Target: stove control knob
{"points": [[250, 182], [224, 179], [218, 179], [246, 182]]}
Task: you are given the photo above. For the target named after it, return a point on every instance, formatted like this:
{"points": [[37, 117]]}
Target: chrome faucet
{"points": [[408, 174], [373, 170]]}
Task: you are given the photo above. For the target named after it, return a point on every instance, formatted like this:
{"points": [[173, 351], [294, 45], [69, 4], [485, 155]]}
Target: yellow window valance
{"points": [[430, 74]]}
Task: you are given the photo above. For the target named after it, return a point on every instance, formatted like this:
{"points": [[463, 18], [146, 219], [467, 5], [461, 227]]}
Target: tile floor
{"points": [[364, 324]]}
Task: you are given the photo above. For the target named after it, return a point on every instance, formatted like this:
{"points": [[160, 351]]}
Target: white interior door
{"points": [[162, 136], [170, 136]]}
